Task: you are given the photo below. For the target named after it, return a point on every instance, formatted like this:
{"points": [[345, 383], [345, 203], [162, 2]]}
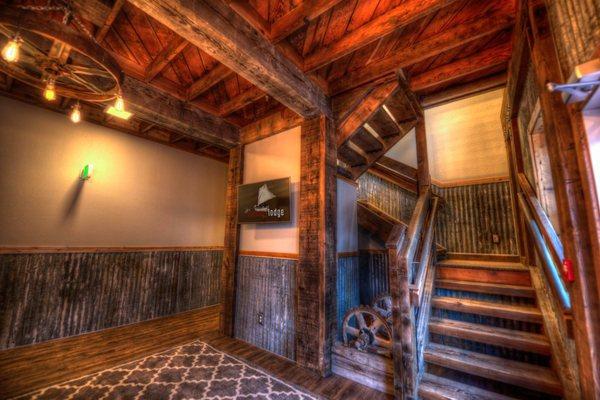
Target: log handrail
{"points": [[544, 250], [411, 298], [541, 218]]}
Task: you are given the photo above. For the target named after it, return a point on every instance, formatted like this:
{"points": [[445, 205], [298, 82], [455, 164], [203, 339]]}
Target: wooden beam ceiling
{"points": [[305, 12], [485, 60], [172, 50], [220, 32], [404, 14], [211, 78], [469, 89], [110, 18], [422, 50], [161, 109]]}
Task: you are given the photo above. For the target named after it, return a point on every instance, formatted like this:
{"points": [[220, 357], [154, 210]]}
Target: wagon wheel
{"points": [[383, 305], [53, 52], [367, 331]]}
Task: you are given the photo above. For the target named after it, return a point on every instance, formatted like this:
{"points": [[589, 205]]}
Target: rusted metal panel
{"points": [[471, 217], [54, 295], [265, 303], [348, 287], [390, 198]]}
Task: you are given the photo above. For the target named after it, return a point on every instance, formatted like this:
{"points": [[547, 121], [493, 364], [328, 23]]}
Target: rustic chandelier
{"points": [[61, 58]]}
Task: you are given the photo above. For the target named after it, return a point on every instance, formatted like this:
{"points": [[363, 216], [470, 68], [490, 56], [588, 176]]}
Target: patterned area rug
{"points": [[192, 371]]}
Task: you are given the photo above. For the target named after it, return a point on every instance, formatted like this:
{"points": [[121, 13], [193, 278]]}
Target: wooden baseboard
{"points": [[268, 254], [371, 370], [484, 257], [132, 249], [27, 368]]}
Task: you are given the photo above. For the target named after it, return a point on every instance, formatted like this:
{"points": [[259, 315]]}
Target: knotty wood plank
{"points": [[402, 15], [296, 18], [498, 310], [435, 387], [512, 372], [316, 273], [172, 50], [24, 369], [235, 177], [482, 61], [414, 53], [269, 126], [217, 74], [483, 287], [510, 338], [219, 31]]}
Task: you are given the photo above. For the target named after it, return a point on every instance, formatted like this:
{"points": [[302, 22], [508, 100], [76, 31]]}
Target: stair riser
{"points": [[518, 278], [516, 291]]}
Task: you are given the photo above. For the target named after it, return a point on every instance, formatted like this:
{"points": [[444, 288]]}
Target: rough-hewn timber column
{"points": [[571, 206], [423, 177], [316, 274], [232, 237]]}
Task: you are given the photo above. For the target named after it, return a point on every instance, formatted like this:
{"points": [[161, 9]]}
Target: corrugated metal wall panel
{"points": [[267, 286], [348, 287], [390, 198], [55, 295]]}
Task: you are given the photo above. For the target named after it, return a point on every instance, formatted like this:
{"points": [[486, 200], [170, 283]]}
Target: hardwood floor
{"points": [[333, 387], [28, 368]]}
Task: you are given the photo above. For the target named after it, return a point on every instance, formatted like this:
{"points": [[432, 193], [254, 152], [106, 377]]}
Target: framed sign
{"points": [[264, 202]]}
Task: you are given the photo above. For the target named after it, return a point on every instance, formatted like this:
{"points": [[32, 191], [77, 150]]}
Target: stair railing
{"points": [[411, 259], [546, 241]]}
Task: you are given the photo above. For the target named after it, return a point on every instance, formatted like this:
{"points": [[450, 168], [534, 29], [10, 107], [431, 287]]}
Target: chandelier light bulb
{"points": [[76, 114], [10, 52], [119, 104], [49, 91]]}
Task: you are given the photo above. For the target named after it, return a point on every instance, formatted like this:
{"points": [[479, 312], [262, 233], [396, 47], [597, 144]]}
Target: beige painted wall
{"points": [[141, 194], [271, 158], [464, 140]]}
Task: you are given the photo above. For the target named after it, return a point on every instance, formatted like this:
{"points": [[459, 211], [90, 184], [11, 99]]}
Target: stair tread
{"points": [[483, 287], [496, 265], [433, 387], [488, 308], [510, 338], [516, 373]]}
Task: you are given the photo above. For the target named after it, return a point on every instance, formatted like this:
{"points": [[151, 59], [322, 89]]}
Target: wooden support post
{"points": [[423, 176], [571, 206], [235, 175], [316, 272]]}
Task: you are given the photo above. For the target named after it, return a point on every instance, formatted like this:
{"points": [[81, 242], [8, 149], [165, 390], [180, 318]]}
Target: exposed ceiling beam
{"points": [[402, 15], [219, 31], [211, 78], [269, 126], [161, 109], [469, 89], [241, 100], [95, 11], [485, 60], [305, 12], [163, 58], [422, 50], [112, 15]]}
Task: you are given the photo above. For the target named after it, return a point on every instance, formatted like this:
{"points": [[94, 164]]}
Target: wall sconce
{"points": [[86, 172]]}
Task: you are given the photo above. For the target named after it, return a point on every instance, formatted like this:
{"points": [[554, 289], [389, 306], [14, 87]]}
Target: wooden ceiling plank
{"points": [[305, 12], [385, 24], [223, 34], [461, 91], [112, 15], [208, 80], [172, 50], [484, 60], [371, 103], [423, 50]]}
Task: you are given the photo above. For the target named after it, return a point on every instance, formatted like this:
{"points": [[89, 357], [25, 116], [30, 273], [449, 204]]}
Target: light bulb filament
{"points": [[10, 52]]}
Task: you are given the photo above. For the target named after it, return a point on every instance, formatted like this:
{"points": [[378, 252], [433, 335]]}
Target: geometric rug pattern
{"points": [[192, 371]]}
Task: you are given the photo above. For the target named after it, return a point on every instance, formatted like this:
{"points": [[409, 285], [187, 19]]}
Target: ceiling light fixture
{"points": [[118, 109], [49, 91], [10, 52], [76, 113]]}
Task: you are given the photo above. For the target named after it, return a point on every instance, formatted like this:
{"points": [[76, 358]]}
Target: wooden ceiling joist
{"points": [[422, 50], [163, 58], [305, 12], [211, 78], [402, 15], [485, 60], [469, 89], [112, 15], [223, 34], [240, 101]]}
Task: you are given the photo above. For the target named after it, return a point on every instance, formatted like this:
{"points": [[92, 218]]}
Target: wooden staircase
{"points": [[486, 335], [378, 119]]}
